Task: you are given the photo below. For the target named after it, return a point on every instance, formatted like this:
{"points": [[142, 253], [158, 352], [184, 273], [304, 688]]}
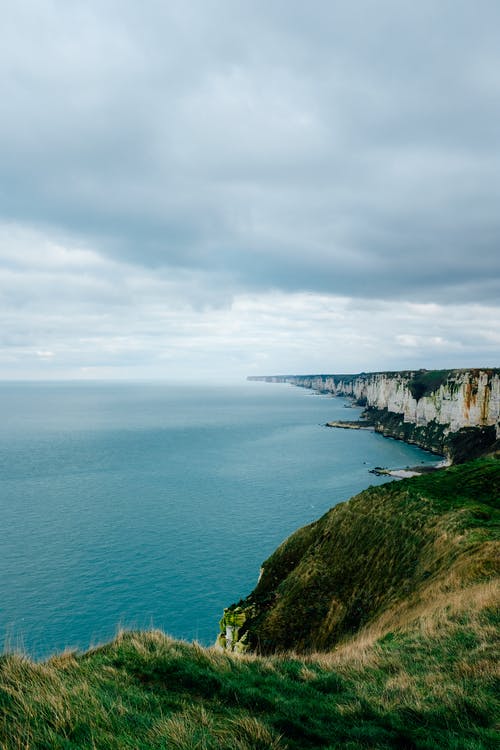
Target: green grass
{"points": [[402, 579], [425, 382], [145, 690], [389, 546]]}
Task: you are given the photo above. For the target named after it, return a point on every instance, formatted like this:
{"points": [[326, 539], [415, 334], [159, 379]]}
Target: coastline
{"points": [[350, 425], [453, 413], [411, 471], [407, 472]]}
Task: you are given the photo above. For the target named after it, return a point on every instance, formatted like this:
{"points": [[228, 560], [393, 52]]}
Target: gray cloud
{"points": [[342, 147], [171, 156]]}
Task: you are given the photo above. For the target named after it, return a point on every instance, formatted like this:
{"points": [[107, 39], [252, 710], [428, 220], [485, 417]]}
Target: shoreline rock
{"points": [[448, 412], [350, 425]]}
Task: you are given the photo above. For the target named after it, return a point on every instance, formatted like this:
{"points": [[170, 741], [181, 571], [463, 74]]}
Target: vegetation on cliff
{"points": [[392, 595], [424, 382], [459, 446], [430, 685], [450, 412], [386, 551]]}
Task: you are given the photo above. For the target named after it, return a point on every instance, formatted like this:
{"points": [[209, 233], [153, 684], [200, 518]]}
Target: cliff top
{"points": [[421, 674], [387, 550], [391, 373]]}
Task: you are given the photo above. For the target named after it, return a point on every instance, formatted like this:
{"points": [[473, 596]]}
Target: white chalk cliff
{"points": [[452, 398]]}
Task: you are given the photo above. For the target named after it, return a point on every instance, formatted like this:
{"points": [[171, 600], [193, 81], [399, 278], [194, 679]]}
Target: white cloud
{"points": [[80, 314], [212, 186]]}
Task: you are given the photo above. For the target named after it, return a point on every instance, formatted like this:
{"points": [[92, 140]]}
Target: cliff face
{"points": [[426, 407], [379, 560]]}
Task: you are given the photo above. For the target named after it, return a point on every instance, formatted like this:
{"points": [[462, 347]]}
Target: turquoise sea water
{"points": [[142, 505]]}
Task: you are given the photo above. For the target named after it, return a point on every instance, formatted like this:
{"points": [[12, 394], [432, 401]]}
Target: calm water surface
{"points": [[142, 505]]}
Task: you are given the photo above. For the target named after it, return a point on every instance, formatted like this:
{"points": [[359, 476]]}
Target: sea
{"points": [[153, 505]]}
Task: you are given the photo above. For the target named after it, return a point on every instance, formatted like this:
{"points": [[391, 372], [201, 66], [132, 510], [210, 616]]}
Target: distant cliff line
{"points": [[451, 412]]}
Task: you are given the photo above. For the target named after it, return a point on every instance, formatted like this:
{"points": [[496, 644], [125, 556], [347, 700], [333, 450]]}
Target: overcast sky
{"points": [[220, 188]]}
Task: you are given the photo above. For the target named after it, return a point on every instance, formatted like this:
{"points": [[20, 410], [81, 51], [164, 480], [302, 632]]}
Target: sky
{"points": [[216, 188]]}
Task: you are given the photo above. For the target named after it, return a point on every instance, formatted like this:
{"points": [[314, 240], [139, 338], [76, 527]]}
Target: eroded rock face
{"points": [[455, 398], [465, 399], [451, 412]]}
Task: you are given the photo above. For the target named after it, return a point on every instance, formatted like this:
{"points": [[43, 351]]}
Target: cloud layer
{"points": [[198, 178]]}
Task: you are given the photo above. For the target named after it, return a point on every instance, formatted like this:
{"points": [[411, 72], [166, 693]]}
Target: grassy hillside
{"points": [[397, 591], [429, 686], [386, 551]]}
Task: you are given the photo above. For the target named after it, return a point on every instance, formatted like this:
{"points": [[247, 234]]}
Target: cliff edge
{"points": [[378, 562], [399, 589], [376, 626], [450, 412]]}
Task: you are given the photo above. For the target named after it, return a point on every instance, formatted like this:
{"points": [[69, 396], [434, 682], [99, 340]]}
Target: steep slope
{"points": [[376, 558], [431, 685], [402, 578], [452, 412]]}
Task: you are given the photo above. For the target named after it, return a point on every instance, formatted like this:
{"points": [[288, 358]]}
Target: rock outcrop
{"points": [[455, 412]]}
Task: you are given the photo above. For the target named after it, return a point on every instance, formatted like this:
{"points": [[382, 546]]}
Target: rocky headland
{"points": [[449, 412]]}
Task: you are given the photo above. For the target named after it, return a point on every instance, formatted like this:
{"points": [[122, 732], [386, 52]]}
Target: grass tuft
{"points": [[419, 670]]}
